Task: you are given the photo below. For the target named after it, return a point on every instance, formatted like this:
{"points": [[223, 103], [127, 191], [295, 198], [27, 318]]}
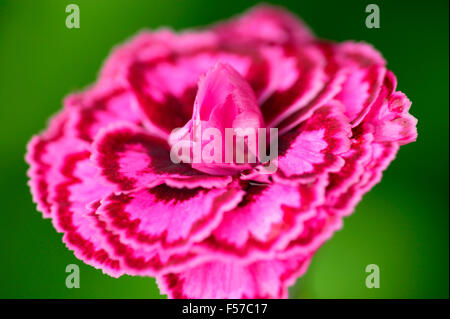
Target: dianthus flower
{"points": [[104, 170]]}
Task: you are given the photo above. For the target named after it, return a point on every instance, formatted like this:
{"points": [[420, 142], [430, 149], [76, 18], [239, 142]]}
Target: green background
{"points": [[401, 225]]}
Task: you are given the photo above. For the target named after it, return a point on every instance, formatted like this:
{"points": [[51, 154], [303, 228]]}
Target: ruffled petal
{"points": [[366, 71], [264, 24], [231, 280], [381, 156], [77, 199], [101, 105], [353, 74], [316, 231], [341, 201], [356, 160], [265, 221], [45, 155], [390, 115], [153, 45], [104, 169], [130, 158], [310, 79], [315, 147], [167, 217], [168, 86], [224, 101]]}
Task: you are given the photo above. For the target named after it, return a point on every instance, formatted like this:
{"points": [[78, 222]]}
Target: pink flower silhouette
{"points": [[102, 170]]}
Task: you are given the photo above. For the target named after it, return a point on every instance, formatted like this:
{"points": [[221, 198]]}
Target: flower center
{"points": [[226, 133]]}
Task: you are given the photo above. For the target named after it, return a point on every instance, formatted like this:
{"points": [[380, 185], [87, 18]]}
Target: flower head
{"points": [[105, 171]]}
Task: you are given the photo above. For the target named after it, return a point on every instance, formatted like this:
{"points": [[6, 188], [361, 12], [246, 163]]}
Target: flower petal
{"points": [[167, 217], [224, 101], [77, 199], [101, 105], [265, 221], [353, 75], [365, 78], [264, 24], [130, 158], [310, 80], [390, 116], [169, 85], [381, 156], [315, 147], [45, 154], [262, 279], [71, 213]]}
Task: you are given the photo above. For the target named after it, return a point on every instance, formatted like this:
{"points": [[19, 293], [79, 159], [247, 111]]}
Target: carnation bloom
{"points": [[103, 173]]}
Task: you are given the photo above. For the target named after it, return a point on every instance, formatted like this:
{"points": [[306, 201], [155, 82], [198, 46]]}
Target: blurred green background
{"points": [[401, 225]]}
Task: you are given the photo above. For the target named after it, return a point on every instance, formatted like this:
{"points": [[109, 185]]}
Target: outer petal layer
{"points": [[262, 279], [167, 217], [130, 158]]}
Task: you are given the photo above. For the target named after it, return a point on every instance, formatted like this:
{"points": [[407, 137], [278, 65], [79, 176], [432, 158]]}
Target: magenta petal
{"points": [[399, 128], [168, 86], [76, 214], [381, 156], [130, 158], [353, 74], [72, 216], [140, 260], [45, 155], [167, 217], [315, 147], [224, 101], [390, 117], [223, 82], [356, 160], [262, 279], [265, 221], [315, 232], [263, 215], [159, 45], [102, 105], [366, 71], [310, 80], [341, 199], [264, 24]]}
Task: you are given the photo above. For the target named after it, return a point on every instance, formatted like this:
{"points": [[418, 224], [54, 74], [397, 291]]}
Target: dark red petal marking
{"points": [[45, 154], [310, 80], [367, 69], [356, 160], [353, 74], [390, 117], [382, 155], [103, 170], [264, 25], [316, 145], [316, 231], [250, 232], [141, 262], [100, 106], [38, 168], [341, 199], [167, 217]]}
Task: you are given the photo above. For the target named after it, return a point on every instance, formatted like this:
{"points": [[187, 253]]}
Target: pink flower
{"points": [[103, 173]]}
